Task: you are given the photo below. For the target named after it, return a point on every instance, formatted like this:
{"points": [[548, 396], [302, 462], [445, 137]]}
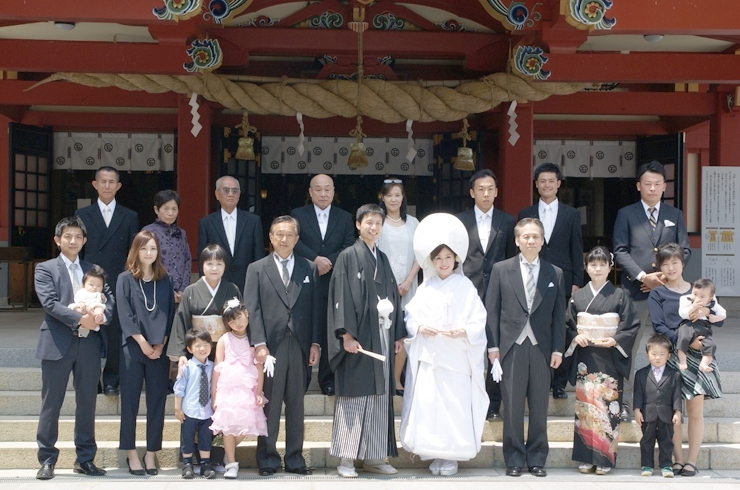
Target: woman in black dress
{"points": [[146, 306], [602, 327]]}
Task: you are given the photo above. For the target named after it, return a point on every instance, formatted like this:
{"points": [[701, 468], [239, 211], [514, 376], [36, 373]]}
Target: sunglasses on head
{"points": [[393, 181]]}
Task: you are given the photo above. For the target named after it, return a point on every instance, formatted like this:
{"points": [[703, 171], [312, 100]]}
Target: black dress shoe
{"points": [[399, 391], [300, 471], [328, 391], [140, 472], [88, 468], [149, 471], [559, 394], [538, 471], [110, 390], [514, 471], [46, 472], [267, 471], [625, 415], [493, 415]]}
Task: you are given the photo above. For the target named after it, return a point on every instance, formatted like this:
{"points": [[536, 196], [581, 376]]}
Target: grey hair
{"points": [[218, 181]]}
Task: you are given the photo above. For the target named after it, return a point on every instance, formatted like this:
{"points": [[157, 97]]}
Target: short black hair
{"points": [[704, 283], [286, 219], [107, 168], [165, 196], [213, 252], [69, 222], [366, 209], [658, 340], [655, 167], [94, 271], [600, 254], [482, 174], [548, 167], [192, 335], [668, 251]]}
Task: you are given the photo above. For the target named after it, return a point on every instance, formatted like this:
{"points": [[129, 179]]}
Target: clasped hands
{"points": [[432, 331], [584, 341]]}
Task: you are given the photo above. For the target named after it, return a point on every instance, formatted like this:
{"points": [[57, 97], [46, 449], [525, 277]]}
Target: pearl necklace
{"points": [[146, 304], [394, 219]]}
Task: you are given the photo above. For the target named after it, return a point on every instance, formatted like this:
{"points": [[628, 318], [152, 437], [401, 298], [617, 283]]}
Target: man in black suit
{"points": [[283, 296], [111, 229], [657, 404], [239, 232], [563, 244], [326, 230], [69, 342], [491, 234], [639, 230], [526, 319]]}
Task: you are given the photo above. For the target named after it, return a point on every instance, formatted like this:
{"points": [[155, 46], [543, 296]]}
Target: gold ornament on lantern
{"points": [[464, 160], [245, 149]]}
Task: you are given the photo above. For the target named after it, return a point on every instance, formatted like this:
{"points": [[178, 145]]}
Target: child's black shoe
{"points": [[207, 471], [187, 471]]}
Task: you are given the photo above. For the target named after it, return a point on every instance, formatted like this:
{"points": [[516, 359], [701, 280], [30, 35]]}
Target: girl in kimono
{"points": [[601, 329], [201, 304], [446, 324]]}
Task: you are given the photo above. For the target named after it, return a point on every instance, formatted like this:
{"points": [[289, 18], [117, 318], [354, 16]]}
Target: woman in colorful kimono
{"points": [[602, 327]]}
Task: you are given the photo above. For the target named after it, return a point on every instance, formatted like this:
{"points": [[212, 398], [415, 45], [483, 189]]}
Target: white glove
{"points": [[496, 372], [269, 368]]}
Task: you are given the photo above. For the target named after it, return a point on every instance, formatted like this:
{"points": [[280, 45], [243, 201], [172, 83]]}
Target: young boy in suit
{"points": [[657, 406]]}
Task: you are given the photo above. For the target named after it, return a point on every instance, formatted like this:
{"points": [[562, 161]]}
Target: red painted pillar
{"points": [[724, 133], [194, 176], [515, 162], [4, 182]]}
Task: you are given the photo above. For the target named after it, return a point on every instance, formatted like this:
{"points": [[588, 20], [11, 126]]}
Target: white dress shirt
{"points": [[279, 263], [322, 215], [110, 207], [548, 215], [484, 225], [229, 221]]}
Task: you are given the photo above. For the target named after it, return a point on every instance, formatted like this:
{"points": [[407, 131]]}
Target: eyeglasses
{"points": [[393, 181], [229, 190]]}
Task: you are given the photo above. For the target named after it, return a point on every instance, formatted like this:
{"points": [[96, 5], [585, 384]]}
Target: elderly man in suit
{"points": [[640, 229], [563, 244], [491, 234], [239, 232], [526, 319], [283, 296], [69, 343], [111, 229], [326, 230]]}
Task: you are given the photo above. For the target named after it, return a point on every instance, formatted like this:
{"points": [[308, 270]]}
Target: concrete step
{"points": [[29, 403], [23, 456], [319, 428]]}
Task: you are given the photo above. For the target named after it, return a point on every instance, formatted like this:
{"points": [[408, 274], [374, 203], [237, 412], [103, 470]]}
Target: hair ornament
{"points": [[233, 303]]}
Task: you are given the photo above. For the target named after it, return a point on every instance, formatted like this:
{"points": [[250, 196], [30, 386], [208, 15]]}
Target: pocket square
{"points": [[551, 285], [668, 222], [305, 281]]}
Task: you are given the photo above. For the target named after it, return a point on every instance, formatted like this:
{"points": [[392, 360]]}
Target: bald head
{"points": [[321, 191]]}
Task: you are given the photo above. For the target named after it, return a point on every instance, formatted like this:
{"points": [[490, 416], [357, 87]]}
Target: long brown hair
{"points": [[132, 261]]}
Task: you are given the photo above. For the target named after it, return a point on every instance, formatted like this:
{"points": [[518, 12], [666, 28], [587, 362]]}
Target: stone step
{"points": [[319, 428], [22, 455], [29, 403]]}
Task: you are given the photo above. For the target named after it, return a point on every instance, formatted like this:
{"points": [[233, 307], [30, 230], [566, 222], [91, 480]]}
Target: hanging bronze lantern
{"points": [[245, 148], [464, 160], [357, 156]]}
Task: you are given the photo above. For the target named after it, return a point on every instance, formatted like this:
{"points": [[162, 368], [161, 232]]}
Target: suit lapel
{"points": [[97, 221], [515, 278], [240, 226], [495, 225], [559, 218], [644, 222], [66, 295], [271, 269], [115, 222], [331, 222], [660, 224], [313, 221], [543, 282], [299, 274], [218, 224]]}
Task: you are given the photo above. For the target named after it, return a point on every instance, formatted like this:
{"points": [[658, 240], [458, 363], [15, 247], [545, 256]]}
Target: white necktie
{"points": [[106, 215], [547, 222], [484, 230], [322, 223], [76, 285], [230, 232]]}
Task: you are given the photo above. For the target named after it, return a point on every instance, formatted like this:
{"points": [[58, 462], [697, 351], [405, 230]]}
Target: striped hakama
{"points": [[361, 423]]}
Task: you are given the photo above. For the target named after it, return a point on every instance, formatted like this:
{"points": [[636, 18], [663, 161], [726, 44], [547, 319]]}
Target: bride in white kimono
{"points": [[445, 402]]}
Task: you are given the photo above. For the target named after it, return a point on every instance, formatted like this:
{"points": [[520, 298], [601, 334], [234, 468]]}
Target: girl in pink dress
{"points": [[236, 386]]}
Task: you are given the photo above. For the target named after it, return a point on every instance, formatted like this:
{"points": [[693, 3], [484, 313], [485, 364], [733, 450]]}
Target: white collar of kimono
{"points": [[213, 291], [596, 291]]}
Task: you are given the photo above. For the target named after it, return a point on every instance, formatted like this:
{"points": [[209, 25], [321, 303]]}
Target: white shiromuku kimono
{"points": [[445, 400]]}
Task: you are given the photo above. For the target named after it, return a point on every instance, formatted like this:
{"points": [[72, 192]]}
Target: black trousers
{"points": [[83, 360], [326, 375], [112, 333], [493, 389], [135, 368], [189, 428], [287, 385], [663, 434]]}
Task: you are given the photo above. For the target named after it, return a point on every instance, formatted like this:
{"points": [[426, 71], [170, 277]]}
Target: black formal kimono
{"points": [[598, 373], [363, 417]]}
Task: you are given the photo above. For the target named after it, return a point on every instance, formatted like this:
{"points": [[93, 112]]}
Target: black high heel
{"points": [[134, 472], [154, 471]]}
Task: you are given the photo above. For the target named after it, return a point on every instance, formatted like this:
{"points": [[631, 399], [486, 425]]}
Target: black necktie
{"points": [[203, 399]]}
